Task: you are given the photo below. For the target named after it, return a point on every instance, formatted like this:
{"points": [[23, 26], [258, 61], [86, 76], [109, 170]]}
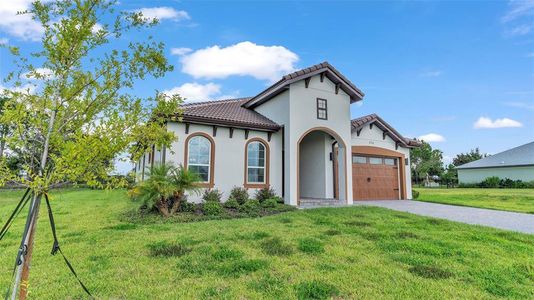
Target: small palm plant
{"points": [[185, 181], [164, 182]]}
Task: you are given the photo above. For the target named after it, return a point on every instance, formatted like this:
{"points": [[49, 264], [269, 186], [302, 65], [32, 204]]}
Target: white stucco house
{"points": [[297, 137], [516, 164]]}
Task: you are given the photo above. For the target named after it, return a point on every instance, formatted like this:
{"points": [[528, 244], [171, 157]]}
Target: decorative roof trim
{"points": [[331, 73]]}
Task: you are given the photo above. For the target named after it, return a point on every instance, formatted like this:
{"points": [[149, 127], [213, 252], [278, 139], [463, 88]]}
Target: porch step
{"points": [[313, 203]]}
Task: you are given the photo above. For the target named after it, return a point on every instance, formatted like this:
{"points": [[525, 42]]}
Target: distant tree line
{"points": [[427, 163]]}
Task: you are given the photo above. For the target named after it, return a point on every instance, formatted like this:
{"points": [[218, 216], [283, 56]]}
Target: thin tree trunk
{"points": [[31, 236], [2, 146], [23, 270]]}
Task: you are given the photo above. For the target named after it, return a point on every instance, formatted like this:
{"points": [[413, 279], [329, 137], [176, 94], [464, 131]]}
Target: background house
{"points": [[516, 164]]}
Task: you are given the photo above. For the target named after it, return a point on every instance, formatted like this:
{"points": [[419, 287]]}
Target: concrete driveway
{"points": [[478, 216]]}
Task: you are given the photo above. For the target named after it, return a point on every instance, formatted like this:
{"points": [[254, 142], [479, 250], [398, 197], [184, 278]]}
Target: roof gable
{"points": [[518, 156], [357, 124], [324, 68]]}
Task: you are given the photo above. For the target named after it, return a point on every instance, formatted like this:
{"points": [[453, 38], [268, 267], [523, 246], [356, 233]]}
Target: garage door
{"points": [[375, 178]]}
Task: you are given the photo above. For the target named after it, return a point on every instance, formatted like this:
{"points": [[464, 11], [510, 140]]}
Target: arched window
{"points": [[257, 164], [199, 156]]}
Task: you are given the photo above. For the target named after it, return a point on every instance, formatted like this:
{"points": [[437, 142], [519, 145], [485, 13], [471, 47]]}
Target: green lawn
{"points": [[519, 200], [348, 253]]}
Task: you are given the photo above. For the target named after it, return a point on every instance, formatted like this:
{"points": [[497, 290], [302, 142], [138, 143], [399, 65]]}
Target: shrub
{"points": [[269, 203], [231, 203], [509, 183], [250, 207], [278, 199], [167, 249], [491, 182], [134, 193], [212, 196], [187, 206], [239, 194], [264, 194], [415, 194], [316, 290], [212, 208]]}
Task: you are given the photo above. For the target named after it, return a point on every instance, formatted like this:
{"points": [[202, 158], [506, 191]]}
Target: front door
{"points": [[375, 178]]}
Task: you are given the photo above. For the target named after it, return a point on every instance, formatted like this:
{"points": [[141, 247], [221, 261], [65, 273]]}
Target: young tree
{"points": [[450, 176], [4, 128], [426, 161], [468, 157], [82, 112]]}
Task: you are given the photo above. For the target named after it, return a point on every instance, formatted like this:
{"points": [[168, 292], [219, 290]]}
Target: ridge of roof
{"points": [[522, 155], [352, 90], [210, 102]]}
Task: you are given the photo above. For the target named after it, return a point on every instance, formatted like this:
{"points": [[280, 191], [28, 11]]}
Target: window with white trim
{"points": [[199, 157], [256, 156]]}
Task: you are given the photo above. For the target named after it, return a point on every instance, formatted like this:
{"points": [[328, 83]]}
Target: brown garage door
{"points": [[375, 178]]}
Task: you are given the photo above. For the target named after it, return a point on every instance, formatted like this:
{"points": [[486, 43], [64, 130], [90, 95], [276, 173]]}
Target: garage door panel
{"points": [[374, 181]]}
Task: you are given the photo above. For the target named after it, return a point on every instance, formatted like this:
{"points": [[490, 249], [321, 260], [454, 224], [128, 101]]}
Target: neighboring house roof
{"points": [[325, 68], [358, 123], [518, 156], [226, 112]]}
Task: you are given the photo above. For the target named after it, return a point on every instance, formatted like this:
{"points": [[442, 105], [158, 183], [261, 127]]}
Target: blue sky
{"points": [[462, 71]]}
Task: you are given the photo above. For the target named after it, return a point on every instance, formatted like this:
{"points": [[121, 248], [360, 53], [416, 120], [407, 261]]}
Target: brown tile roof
{"points": [[332, 73], [226, 112], [394, 134]]}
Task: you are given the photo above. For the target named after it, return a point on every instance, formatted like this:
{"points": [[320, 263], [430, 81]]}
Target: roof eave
{"points": [[227, 123]]}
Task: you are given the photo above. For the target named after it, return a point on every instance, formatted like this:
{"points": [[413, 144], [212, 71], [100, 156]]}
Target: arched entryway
{"points": [[322, 165]]}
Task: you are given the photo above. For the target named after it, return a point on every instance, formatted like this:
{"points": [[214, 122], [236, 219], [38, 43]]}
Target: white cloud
{"points": [[96, 28], [180, 51], [484, 122], [163, 13], [518, 9], [4, 41], [242, 59], [25, 88], [432, 138], [520, 30], [194, 92], [434, 73], [21, 26], [42, 72]]}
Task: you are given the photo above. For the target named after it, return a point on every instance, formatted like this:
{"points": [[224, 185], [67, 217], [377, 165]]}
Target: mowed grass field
{"points": [[342, 253], [518, 200]]}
